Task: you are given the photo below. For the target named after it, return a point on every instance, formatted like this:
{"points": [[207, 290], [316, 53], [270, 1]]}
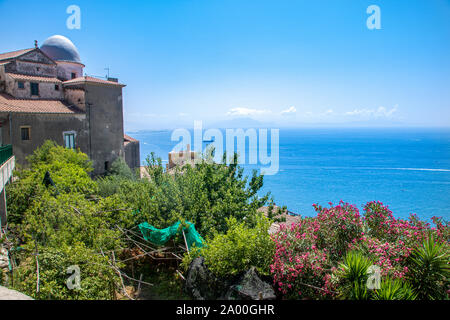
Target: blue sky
{"points": [[286, 63]]}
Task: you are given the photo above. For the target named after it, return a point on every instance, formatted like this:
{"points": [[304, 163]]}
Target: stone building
{"points": [[44, 95]]}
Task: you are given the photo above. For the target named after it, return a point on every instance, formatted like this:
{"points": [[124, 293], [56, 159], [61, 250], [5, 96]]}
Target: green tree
{"points": [[205, 194]]}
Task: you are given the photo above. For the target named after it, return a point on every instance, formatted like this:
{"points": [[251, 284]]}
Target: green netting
{"points": [[161, 236]]}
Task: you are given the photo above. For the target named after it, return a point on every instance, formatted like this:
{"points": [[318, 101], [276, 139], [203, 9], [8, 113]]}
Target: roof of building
{"points": [[33, 78], [275, 227], [11, 104], [88, 79], [14, 54], [60, 48], [128, 139]]}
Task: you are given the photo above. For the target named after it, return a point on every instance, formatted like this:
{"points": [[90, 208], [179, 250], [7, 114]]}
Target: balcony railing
{"points": [[5, 153]]}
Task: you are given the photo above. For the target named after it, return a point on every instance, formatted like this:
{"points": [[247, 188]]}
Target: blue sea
{"points": [[407, 169]]}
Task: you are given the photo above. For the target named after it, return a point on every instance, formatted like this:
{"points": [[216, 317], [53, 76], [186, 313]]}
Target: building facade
{"points": [[44, 95]]}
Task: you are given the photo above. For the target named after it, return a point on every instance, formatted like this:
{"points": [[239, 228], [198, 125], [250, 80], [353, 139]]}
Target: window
{"points": [[74, 75], [25, 133], [56, 87], [69, 140], [106, 165], [34, 88], [21, 85]]}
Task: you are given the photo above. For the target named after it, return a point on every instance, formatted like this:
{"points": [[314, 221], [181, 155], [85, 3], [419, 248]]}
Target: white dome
{"points": [[60, 48]]}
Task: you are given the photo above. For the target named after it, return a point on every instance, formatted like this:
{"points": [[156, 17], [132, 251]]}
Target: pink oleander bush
{"points": [[300, 268], [309, 254], [336, 228]]}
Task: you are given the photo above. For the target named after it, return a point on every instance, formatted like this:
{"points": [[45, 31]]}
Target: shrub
{"points": [[69, 170], [97, 279], [300, 267], [237, 250], [120, 169], [337, 227]]}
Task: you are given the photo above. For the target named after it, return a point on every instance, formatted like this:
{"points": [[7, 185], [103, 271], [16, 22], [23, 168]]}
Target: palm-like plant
{"points": [[354, 272], [394, 290], [429, 269]]}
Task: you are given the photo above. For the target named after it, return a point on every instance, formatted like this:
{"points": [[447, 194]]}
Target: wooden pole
{"points": [[185, 242], [139, 283], [37, 265]]}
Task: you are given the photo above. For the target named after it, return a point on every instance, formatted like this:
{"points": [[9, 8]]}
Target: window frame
{"points": [[67, 143], [35, 85], [29, 133], [21, 85]]}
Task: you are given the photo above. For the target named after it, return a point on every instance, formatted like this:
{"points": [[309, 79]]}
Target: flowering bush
{"points": [[308, 257], [336, 227], [299, 267]]}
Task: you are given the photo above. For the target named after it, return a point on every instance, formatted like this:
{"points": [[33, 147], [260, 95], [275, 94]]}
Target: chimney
{"points": [[35, 43]]}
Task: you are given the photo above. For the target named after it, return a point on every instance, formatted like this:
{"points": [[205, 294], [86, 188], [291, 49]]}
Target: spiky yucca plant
{"points": [[429, 270], [354, 274], [394, 289]]}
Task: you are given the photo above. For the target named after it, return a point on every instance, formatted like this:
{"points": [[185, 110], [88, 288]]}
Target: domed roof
{"points": [[60, 48]]}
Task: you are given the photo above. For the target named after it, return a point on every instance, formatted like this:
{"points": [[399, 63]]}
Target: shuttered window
{"points": [[34, 88], [25, 133], [69, 140]]}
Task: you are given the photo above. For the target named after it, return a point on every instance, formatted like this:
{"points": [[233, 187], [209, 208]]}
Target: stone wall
{"points": [[42, 127], [65, 70], [105, 116], [132, 154], [76, 97], [47, 90]]}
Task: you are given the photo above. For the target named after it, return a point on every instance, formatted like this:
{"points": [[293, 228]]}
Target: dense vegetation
{"points": [[77, 220]]}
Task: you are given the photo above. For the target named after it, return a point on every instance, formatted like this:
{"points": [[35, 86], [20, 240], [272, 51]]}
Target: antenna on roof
{"points": [[108, 72], [35, 43]]}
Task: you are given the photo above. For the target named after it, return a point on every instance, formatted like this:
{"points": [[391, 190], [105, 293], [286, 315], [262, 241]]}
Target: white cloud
{"points": [[246, 112], [289, 110], [381, 112]]}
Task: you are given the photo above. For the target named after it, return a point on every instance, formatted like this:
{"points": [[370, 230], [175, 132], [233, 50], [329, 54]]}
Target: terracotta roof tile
{"points": [[127, 138], [33, 78], [11, 104], [91, 80], [275, 227], [14, 54]]}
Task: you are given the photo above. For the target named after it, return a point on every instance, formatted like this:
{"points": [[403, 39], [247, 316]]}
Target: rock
{"points": [[251, 287], [201, 284]]}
